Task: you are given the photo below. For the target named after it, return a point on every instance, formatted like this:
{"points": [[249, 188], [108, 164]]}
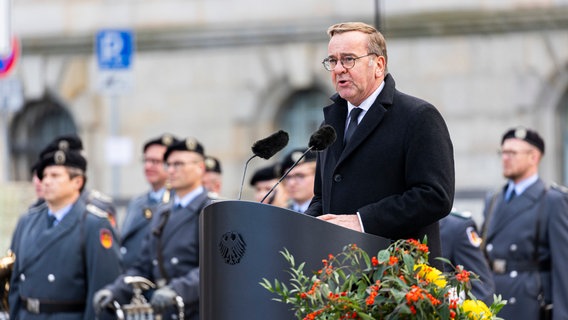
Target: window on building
{"points": [[300, 115], [33, 127]]}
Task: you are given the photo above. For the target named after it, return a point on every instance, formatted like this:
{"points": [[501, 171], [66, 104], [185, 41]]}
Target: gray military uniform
{"points": [[58, 269], [170, 255], [521, 274], [461, 245], [136, 225]]}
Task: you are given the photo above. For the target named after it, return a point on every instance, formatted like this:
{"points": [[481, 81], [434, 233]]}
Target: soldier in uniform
{"points": [[99, 200], [170, 255], [65, 248], [212, 180], [141, 209], [526, 232], [263, 180], [299, 183], [461, 244]]}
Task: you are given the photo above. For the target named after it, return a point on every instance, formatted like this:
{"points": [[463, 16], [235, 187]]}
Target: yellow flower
{"points": [[477, 309], [431, 274]]}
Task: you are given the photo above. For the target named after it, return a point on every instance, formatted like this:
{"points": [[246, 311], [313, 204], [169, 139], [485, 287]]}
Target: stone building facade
{"points": [[232, 72]]}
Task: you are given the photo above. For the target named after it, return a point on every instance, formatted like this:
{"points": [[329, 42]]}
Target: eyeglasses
{"points": [[511, 153], [297, 176], [178, 164], [347, 62], [154, 162]]}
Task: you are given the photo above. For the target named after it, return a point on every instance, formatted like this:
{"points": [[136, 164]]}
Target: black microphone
{"points": [[322, 138], [319, 141], [266, 148]]}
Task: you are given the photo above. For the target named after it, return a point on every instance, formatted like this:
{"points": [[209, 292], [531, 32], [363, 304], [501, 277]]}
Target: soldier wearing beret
{"points": [[299, 183], [101, 201], [170, 254], [526, 232], [142, 208], [212, 180], [65, 248], [263, 180]]}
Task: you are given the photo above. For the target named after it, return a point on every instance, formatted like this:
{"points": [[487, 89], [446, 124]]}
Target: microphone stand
{"points": [[244, 174], [286, 173]]}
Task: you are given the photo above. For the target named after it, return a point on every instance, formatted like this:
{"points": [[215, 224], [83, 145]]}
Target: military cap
{"points": [[294, 155], [164, 140], [67, 158], [266, 173], [525, 134], [212, 164], [64, 142], [187, 144]]}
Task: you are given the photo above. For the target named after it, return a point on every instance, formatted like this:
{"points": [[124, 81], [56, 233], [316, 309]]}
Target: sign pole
{"points": [[114, 128]]}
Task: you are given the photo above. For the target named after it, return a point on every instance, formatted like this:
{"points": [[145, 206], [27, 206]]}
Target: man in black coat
{"points": [[394, 176]]}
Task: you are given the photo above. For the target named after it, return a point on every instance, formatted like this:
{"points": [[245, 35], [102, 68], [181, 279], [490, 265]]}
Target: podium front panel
{"points": [[240, 243]]}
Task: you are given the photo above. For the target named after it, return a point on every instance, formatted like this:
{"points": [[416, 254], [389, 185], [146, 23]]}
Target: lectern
{"points": [[240, 243]]}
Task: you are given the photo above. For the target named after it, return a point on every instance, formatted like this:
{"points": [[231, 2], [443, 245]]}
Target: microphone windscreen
{"points": [[268, 146], [322, 138]]}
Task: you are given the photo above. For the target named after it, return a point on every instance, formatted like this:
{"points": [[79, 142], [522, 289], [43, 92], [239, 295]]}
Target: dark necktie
{"points": [[353, 117], [511, 196], [50, 220]]}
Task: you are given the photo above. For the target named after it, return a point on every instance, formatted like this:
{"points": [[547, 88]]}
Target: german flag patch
{"points": [[473, 237], [105, 236]]}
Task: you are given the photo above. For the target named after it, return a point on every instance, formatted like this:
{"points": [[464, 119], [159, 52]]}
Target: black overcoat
{"points": [[397, 171]]}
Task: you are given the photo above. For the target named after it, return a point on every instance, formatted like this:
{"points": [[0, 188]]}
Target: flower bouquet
{"points": [[397, 283]]}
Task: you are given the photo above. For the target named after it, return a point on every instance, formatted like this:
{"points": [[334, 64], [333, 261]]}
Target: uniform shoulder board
{"points": [[91, 208], [559, 187], [461, 214], [95, 194]]}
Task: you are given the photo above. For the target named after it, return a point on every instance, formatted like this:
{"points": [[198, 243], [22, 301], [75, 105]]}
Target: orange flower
{"points": [[393, 260], [375, 261]]}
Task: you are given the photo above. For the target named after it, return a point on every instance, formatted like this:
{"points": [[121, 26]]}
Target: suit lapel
{"points": [[506, 212], [179, 218]]}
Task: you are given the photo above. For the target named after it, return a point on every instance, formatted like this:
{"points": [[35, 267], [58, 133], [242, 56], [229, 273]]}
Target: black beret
{"points": [[294, 155], [188, 144], [65, 142], [164, 140], [67, 158], [266, 173], [527, 135], [212, 164]]}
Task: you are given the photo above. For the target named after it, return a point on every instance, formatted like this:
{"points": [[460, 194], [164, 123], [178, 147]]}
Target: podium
{"points": [[240, 243]]}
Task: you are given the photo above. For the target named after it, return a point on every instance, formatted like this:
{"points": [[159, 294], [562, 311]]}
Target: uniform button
{"points": [[22, 277], [155, 262], [123, 250], [513, 274], [337, 178], [175, 260], [513, 247], [50, 278], [512, 300], [489, 247]]}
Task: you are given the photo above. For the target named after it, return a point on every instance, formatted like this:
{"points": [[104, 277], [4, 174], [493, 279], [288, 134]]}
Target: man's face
{"points": [[261, 188], [299, 183], [185, 171], [154, 169], [519, 159], [357, 83], [58, 187], [212, 181]]}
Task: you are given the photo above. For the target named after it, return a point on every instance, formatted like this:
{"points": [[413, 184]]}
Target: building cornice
{"points": [[433, 24]]}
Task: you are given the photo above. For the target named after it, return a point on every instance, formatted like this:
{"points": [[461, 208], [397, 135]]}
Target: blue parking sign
{"points": [[114, 49]]}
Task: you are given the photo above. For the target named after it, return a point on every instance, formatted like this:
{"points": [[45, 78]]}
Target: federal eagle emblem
{"points": [[232, 247]]}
